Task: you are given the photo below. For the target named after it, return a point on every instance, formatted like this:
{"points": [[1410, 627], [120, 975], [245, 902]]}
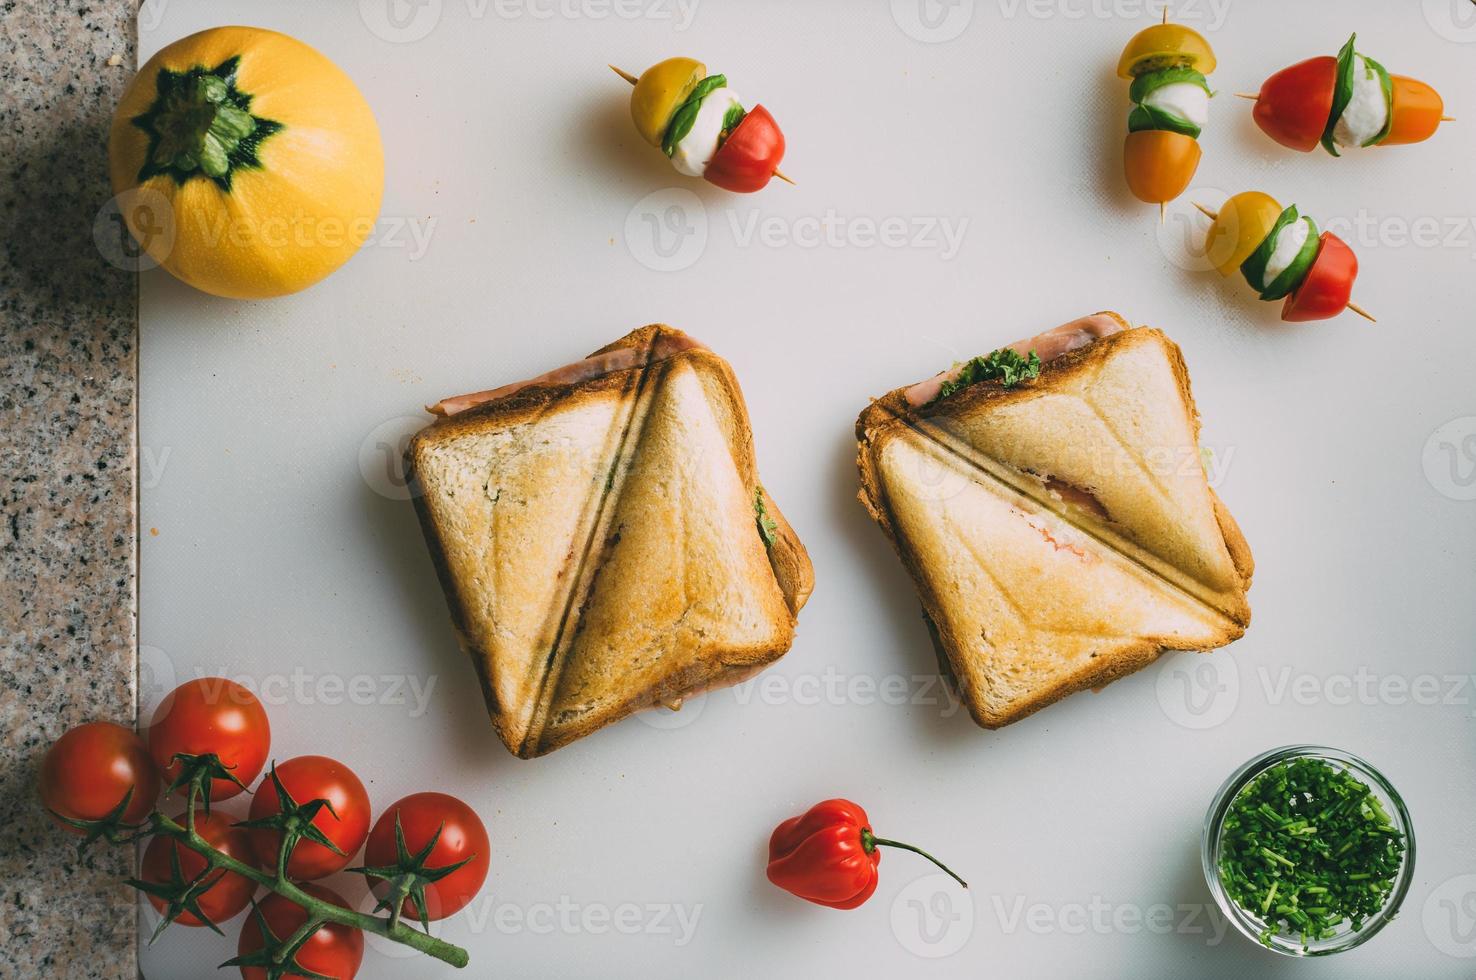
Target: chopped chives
{"points": [[1309, 827]]}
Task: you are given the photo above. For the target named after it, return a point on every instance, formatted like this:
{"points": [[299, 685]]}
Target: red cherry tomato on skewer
{"points": [[1329, 284], [1294, 103], [750, 154]]}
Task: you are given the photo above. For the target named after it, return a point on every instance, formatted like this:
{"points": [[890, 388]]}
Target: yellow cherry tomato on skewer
{"points": [[1417, 109], [1241, 224], [1163, 46], [658, 91], [1159, 164]]}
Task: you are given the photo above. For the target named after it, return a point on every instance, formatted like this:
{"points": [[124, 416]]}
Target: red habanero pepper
{"points": [[828, 855]]}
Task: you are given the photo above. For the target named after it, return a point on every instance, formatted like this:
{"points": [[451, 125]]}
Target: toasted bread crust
{"points": [[788, 559], [887, 417]]}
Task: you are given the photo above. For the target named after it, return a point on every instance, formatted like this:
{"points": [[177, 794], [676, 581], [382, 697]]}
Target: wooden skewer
{"points": [[1162, 209], [1247, 95], [1165, 13], [632, 80], [1447, 119], [1351, 306]]}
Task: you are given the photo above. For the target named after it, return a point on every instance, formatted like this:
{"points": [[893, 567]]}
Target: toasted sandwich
{"points": [[603, 540], [1050, 503]]}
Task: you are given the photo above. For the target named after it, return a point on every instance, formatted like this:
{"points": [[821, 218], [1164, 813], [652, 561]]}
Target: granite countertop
{"points": [[68, 387]]}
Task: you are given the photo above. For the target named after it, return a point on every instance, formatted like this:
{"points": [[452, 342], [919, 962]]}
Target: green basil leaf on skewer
{"points": [[1342, 94], [1254, 267], [1143, 85], [1291, 277], [686, 114], [1388, 86], [1152, 117]]}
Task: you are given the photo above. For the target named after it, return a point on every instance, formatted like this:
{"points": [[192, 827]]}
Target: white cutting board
{"points": [[276, 545]]}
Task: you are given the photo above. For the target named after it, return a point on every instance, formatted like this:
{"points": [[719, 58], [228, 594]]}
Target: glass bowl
{"points": [[1252, 926]]}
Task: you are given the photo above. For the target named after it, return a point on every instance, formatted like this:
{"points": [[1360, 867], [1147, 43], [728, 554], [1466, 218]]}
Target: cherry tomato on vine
{"points": [[334, 950], [462, 836], [89, 770], [212, 715], [311, 777], [231, 892]]}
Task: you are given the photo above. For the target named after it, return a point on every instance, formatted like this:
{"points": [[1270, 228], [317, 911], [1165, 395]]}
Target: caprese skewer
{"points": [[1282, 256], [702, 126], [1167, 64], [1347, 102]]}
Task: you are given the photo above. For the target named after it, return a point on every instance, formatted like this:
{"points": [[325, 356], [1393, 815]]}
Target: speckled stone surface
{"points": [[68, 381]]}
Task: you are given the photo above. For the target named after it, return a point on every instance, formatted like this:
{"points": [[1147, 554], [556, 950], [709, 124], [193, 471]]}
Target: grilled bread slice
{"points": [[1061, 532], [600, 539]]}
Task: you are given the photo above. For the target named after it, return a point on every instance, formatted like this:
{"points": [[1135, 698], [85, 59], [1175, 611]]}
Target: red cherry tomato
{"points": [[92, 767], [333, 951], [750, 154], [1328, 286], [312, 777], [462, 836], [231, 892], [216, 715], [1295, 103]]}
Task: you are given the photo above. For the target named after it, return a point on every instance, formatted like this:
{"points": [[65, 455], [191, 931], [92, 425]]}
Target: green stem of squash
{"points": [[198, 127]]}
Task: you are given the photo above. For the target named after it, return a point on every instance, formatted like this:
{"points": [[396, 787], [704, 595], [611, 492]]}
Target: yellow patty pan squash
{"points": [[246, 163]]}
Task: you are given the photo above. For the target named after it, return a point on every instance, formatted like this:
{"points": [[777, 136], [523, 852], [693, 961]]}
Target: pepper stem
{"points": [[870, 842]]}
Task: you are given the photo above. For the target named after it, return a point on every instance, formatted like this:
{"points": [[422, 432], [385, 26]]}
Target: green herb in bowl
{"points": [[1306, 846]]}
